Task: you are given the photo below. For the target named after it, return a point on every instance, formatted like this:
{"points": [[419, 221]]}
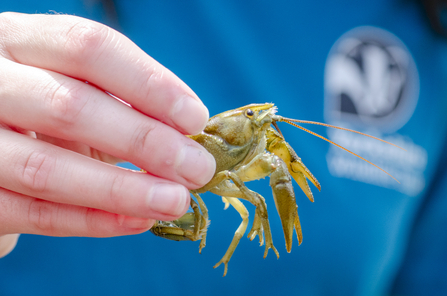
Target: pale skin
{"points": [[60, 135]]}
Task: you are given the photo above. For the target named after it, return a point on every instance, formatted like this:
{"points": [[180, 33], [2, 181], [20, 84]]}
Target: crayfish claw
{"points": [[202, 221], [203, 237]]}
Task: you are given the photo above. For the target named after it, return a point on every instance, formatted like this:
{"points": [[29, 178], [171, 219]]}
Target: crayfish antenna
{"points": [[277, 128], [289, 120], [292, 122]]}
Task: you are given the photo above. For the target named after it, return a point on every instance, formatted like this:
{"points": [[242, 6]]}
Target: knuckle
{"points": [[84, 41], [91, 222], [116, 192], [7, 24], [40, 216], [7, 18], [37, 170], [140, 140], [64, 103], [154, 74], [100, 224]]}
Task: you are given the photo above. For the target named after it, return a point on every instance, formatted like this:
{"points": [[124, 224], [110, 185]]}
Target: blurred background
{"points": [[379, 67]]}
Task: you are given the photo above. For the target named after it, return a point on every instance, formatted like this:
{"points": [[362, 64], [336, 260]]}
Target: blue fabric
{"points": [[356, 234]]}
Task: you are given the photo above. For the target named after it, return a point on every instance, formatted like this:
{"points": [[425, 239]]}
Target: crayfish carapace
{"points": [[246, 147]]}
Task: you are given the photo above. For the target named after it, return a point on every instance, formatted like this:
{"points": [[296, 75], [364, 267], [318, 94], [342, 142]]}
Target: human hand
{"points": [[59, 135]]}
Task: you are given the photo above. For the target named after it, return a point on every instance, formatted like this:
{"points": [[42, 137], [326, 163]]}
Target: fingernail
{"points": [[190, 115], [168, 199], [133, 222], [195, 165]]}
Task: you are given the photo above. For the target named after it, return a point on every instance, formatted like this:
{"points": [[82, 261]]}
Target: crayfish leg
{"points": [[242, 210], [256, 230], [226, 202], [261, 209], [237, 189]]}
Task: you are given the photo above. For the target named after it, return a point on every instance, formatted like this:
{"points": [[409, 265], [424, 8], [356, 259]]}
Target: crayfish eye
{"points": [[249, 113]]}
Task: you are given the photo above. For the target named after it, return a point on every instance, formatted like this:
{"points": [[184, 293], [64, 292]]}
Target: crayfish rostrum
{"points": [[246, 147]]}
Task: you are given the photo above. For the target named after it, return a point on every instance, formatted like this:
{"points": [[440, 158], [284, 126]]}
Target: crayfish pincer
{"points": [[247, 145]]}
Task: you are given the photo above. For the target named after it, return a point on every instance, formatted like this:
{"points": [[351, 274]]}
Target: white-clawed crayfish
{"points": [[246, 147]]}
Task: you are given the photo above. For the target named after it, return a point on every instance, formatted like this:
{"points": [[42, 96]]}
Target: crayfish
{"points": [[246, 147]]}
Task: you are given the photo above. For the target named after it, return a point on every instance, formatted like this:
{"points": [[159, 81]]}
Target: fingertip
{"points": [[7, 243], [168, 200], [196, 165], [190, 115]]}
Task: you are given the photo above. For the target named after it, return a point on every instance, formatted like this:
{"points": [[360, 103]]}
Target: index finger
{"points": [[91, 51]]}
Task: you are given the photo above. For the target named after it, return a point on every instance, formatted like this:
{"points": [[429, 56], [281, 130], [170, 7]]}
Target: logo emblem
{"points": [[371, 80]]}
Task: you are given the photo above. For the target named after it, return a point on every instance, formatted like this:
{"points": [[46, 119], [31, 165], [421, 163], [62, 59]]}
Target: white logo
{"points": [[372, 85], [370, 80]]}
